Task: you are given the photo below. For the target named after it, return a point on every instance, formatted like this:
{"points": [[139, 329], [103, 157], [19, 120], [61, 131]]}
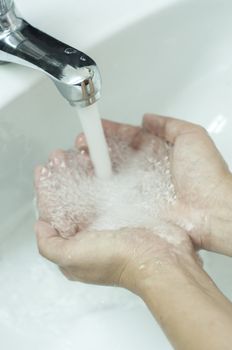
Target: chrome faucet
{"points": [[74, 73]]}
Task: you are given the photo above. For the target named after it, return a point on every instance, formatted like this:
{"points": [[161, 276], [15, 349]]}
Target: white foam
{"points": [[137, 194]]}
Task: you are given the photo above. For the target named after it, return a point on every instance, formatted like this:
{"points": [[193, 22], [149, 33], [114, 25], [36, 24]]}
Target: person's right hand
{"points": [[202, 181]]}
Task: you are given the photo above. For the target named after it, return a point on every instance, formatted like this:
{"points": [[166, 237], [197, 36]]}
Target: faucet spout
{"points": [[5, 5], [75, 74]]}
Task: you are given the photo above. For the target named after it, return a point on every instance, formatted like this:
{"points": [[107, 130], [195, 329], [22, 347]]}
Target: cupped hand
{"points": [[125, 257], [202, 182], [201, 177]]}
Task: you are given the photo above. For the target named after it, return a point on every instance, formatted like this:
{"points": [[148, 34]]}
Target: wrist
{"points": [[160, 273], [151, 258], [186, 303], [175, 283]]}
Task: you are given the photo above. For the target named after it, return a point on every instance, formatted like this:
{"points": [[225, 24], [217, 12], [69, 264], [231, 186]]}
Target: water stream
{"points": [[93, 130]]}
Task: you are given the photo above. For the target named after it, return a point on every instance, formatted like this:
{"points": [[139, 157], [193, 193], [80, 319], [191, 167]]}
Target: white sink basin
{"points": [[175, 62]]}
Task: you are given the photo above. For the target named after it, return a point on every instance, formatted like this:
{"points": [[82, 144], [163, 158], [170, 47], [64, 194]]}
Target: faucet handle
{"points": [[5, 6]]}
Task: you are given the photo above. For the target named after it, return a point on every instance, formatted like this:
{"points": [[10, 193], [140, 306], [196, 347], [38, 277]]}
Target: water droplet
{"points": [[70, 51], [83, 58]]}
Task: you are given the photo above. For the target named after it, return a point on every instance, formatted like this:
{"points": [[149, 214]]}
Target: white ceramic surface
{"points": [[174, 61]]}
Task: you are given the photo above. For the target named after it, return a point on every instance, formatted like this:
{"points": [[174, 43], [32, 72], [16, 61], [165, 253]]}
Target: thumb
{"points": [[50, 244], [169, 128]]}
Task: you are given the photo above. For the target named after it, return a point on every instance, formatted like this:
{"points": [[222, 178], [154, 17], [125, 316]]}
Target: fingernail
{"points": [[62, 165], [83, 152], [39, 174], [80, 138], [81, 141], [44, 171], [56, 161]]}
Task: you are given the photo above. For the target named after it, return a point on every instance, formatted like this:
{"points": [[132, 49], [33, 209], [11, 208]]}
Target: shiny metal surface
{"points": [[5, 5], [74, 73]]}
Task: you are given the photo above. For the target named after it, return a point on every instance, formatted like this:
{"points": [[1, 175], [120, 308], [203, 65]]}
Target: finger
{"points": [[50, 244], [38, 174], [58, 153], [81, 142], [56, 158], [110, 128], [124, 131], [168, 128], [129, 134]]}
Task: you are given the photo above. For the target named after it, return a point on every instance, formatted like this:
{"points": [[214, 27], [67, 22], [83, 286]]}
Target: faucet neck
{"points": [[9, 20], [5, 6], [74, 73]]}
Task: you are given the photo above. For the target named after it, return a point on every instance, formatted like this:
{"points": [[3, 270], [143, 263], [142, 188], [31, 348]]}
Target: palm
{"points": [[102, 257], [197, 173]]}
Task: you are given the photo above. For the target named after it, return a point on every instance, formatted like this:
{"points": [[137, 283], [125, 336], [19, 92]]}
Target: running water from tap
{"points": [[93, 130]]}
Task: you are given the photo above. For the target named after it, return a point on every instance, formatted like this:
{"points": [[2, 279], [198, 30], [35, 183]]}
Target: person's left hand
{"points": [[125, 258]]}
